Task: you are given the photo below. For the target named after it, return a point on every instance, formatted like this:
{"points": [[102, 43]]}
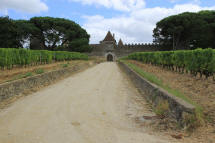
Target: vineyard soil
{"points": [[18, 72], [99, 105]]}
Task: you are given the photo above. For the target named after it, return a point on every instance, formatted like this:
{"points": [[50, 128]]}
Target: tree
{"points": [[8, 33], [44, 33], [186, 31], [25, 31], [79, 45], [55, 32]]}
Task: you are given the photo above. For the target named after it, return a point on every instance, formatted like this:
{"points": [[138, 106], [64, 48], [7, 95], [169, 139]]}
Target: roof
{"points": [[120, 43], [109, 37]]}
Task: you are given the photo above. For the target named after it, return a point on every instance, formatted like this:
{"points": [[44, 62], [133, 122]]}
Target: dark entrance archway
{"points": [[110, 58]]}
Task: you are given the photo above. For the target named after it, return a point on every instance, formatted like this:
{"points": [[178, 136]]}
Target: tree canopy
{"points": [[8, 34], [46, 33], [186, 31]]}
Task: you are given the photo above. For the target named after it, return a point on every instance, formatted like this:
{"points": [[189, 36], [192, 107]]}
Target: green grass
{"points": [[150, 77], [154, 79], [26, 75], [39, 71], [65, 65], [20, 76]]}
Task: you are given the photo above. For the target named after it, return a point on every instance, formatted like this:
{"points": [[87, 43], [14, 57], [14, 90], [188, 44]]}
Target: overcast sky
{"points": [[131, 20]]}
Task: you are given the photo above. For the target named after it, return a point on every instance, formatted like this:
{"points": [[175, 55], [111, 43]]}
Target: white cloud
{"points": [[189, 1], [123, 27], [121, 5], [138, 26], [29, 6]]}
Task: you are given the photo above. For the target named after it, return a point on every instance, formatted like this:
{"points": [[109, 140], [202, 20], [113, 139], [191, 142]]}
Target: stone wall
{"points": [[20, 86], [97, 50], [120, 51], [132, 48], [155, 95]]}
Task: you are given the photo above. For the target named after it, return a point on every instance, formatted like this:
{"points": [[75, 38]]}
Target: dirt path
{"points": [[95, 106]]}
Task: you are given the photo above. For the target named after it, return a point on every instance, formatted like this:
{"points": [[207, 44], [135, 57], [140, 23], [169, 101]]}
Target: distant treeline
{"points": [[186, 31], [43, 33]]}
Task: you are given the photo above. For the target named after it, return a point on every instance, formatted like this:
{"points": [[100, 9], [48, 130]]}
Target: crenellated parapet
{"points": [[140, 47], [140, 44], [120, 49]]}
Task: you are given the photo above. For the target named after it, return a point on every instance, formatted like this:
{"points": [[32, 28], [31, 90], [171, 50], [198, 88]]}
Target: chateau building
{"points": [[111, 50]]}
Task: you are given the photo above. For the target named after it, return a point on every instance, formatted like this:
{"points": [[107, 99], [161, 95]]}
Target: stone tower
{"points": [[109, 45], [120, 43], [109, 39]]}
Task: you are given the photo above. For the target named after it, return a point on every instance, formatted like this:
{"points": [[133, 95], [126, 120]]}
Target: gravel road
{"points": [[94, 106]]}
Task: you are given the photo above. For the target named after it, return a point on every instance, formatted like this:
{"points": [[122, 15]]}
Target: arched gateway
{"points": [[110, 58]]}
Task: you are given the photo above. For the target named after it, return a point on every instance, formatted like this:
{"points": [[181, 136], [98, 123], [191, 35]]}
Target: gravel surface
{"points": [[94, 106]]}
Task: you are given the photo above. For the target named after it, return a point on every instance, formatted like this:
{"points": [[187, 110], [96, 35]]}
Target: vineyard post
{"points": [[40, 58], [54, 56], [173, 41]]}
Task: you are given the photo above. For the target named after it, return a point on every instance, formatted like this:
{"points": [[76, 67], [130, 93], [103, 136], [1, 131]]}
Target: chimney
{"points": [[113, 36]]}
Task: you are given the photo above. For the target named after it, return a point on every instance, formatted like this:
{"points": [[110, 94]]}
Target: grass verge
{"points": [[65, 65], [196, 120], [39, 71]]}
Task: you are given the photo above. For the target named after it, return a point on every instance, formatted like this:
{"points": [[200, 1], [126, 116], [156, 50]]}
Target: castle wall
{"points": [[109, 45], [98, 50], [120, 51], [132, 48]]}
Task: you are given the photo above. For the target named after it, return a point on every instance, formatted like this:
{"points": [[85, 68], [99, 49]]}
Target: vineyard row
{"points": [[200, 61], [10, 57]]}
